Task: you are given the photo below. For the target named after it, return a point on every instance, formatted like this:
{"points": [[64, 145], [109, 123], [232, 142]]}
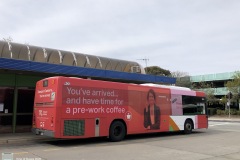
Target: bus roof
{"points": [[165, 86]]}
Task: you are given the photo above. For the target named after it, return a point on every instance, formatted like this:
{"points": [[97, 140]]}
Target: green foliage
{"points": [[202, 85], [155, 70], [220, 112], [223, 100], [209, 91], [226, 112], [182, 79], [179, 74], [212, 111], [211, 99], [233, 86], [238, 113], [232, 112], [184, 82]]}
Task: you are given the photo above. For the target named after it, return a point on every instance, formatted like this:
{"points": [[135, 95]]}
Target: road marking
{"points": [[51, 149], [218, 124], [21, 153]]}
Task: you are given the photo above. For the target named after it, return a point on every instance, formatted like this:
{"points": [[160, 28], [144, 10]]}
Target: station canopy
{"points": [[56, 59]]}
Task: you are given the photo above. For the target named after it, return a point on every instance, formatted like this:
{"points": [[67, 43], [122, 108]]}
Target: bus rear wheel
{"points": [[188, 126], [117, 131]]}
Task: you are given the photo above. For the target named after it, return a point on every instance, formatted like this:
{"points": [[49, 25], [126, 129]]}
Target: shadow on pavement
{"points": [[138, 138]]}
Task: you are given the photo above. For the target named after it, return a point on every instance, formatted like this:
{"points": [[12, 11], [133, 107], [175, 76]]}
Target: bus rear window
{"points": [[193, 105], [45, 83]]}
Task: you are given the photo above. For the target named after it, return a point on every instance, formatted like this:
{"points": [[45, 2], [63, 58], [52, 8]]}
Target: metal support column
{"points": [[15, 109]]}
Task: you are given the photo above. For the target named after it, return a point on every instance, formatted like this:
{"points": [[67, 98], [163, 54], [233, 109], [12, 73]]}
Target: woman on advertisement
{"points": [[151, 112]]}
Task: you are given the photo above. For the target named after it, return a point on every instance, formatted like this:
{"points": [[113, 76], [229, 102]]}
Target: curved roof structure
{"points": [[54, 56], [19, 57]]}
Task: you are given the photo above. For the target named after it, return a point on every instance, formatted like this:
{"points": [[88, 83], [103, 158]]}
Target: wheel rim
{"points": [[188, 126]]}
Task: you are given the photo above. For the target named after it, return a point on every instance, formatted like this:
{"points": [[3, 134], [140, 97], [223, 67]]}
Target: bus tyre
{"points": [[188, 126], [117, 131]]}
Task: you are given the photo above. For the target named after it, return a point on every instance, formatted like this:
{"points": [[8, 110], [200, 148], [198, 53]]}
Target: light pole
{"points": [[238, 98], [229, 97], [144, 59]]}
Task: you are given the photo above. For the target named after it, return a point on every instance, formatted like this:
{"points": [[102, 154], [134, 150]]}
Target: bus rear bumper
{"points": [[43, 132]]}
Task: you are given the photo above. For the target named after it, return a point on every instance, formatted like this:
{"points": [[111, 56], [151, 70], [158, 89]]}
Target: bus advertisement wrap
{"points": [[85, 100], [81, 108]]}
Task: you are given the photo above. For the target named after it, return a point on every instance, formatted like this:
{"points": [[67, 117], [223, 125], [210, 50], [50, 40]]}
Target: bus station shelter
{"points": [[22, 65]]}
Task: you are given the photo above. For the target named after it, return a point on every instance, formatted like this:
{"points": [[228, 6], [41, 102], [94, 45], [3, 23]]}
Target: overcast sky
{"points": [[193, 36]]}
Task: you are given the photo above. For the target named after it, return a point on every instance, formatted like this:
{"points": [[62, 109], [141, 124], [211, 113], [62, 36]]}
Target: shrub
{"points": [[232, 112], [219, 112], [212, 111], [238, 113], [226, 112]]}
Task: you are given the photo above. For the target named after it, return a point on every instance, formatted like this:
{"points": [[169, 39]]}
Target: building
{"points": [[217, 82], [21, 66]]}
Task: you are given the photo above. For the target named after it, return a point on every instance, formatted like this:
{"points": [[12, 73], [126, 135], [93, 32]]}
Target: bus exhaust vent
{"points": [[74, 127]]}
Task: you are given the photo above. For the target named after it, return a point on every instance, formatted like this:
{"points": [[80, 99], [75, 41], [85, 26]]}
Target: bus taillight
{"points": [[53, 82]]}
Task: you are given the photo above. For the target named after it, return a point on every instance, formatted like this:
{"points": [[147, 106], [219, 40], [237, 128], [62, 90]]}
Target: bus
{"points": [[70, 107]]}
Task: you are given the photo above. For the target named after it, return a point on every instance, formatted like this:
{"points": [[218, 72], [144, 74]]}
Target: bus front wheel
{"points": [[188, 126], [117, 131]]}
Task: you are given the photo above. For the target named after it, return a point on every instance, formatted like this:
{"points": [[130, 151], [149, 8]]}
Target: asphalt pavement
{"points": [[18, 138]]}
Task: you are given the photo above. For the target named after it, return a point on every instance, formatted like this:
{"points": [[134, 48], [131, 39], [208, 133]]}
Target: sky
{"points": [[197, 37]]}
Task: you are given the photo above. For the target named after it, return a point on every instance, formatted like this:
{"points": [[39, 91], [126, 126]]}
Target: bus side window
{"points": [[193, 105]]}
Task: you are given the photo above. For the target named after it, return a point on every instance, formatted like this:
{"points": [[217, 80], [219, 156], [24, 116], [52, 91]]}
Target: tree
{"points": [[233, 86], [208, 89], [8, 39], [155, 70], [223, 100], [178, 74], [182, 79]]}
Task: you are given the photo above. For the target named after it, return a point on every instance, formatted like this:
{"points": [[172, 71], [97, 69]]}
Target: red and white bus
{"points": [[67, 107]]}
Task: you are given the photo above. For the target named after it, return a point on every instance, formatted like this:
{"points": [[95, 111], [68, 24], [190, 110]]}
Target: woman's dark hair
{"points": [[152, 92]]}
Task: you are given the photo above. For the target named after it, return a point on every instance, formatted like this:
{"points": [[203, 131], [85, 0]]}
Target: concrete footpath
{"points": [[18, 138], [224, 119]]}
